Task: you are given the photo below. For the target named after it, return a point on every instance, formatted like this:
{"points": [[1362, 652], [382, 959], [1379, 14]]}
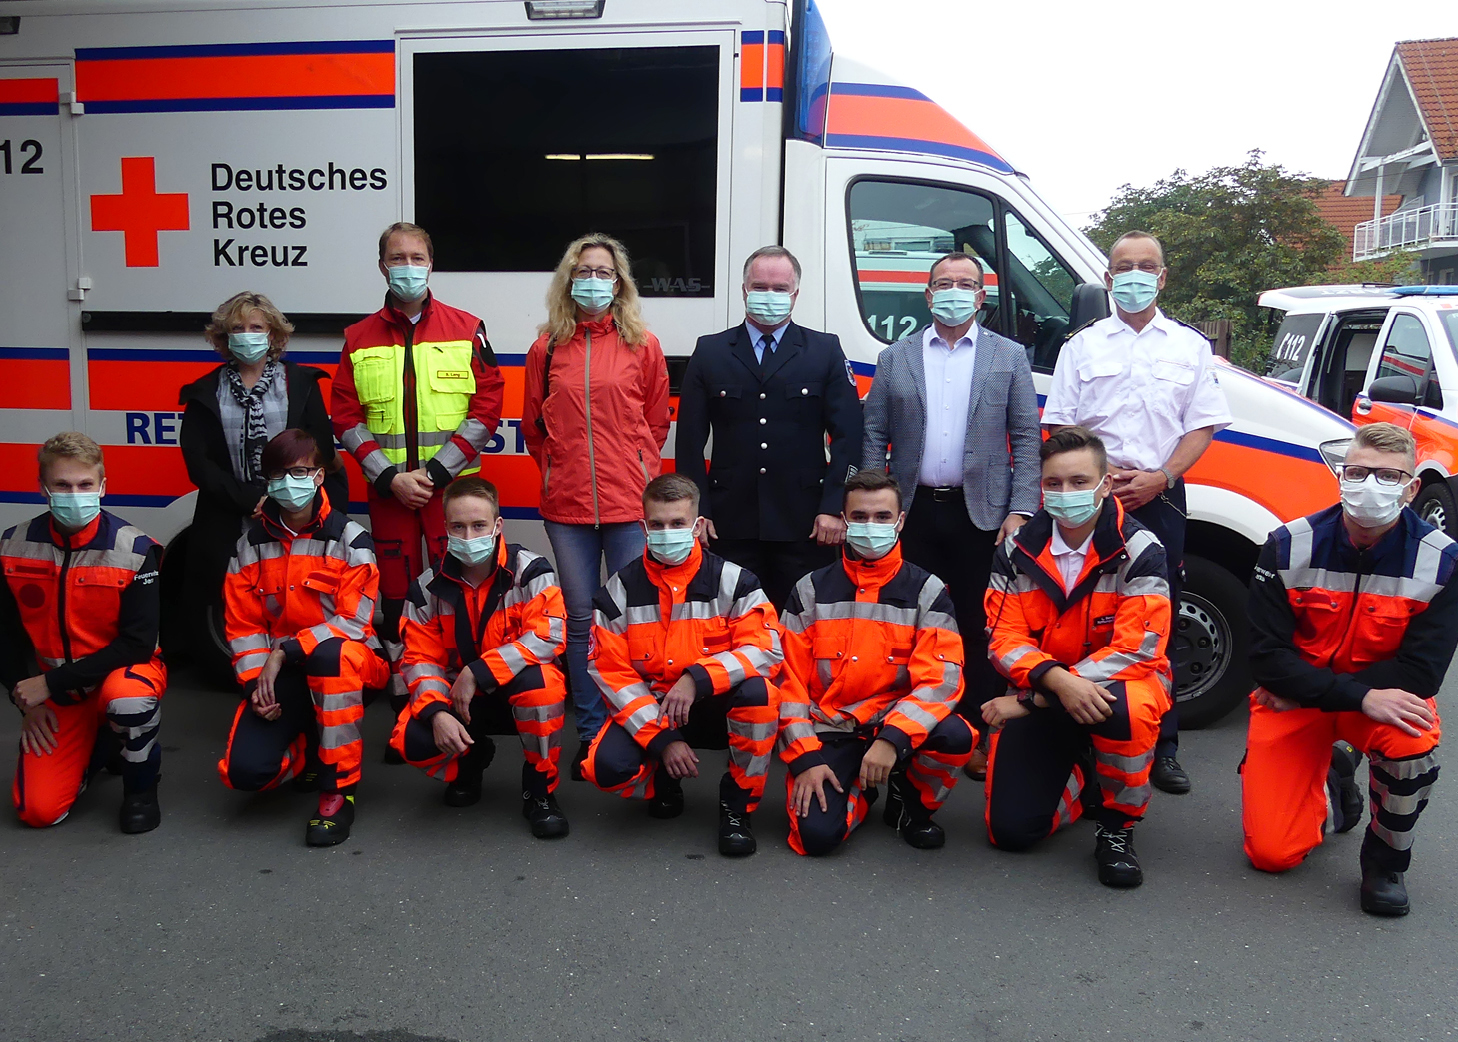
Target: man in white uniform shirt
{"points": [[1147, 385]]}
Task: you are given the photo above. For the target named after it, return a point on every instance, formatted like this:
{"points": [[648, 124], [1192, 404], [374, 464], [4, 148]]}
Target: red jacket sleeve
{"points": [[655, 391], [531, 403]]}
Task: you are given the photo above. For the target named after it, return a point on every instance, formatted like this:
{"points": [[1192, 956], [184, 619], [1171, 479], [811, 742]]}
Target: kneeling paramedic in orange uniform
{"points": [[1081, 610], [684, 644], [501, 604], [299, 600], [873, 669], [81, 592], [1354, 618]]}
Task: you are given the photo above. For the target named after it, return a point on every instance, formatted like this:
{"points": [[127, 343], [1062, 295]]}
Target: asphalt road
{"points": [[438, 924]]}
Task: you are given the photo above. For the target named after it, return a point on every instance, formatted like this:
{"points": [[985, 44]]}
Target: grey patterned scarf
{"points": [[255, 428]]}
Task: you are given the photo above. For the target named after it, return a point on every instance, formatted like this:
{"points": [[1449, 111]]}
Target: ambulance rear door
{"points": [[39, 384]]}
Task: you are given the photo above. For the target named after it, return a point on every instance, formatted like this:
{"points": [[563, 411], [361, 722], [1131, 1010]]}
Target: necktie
{"points": [[766, 349]]}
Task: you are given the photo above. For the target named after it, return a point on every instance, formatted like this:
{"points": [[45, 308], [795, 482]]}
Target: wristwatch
{"points": [[1168, 478], [1025, 698]]}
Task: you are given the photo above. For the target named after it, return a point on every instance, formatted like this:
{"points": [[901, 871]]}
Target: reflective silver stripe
{"points": [[754, 730], [333, 703], [1397, 804], [337, 736], [643, 716], [646, 614], [753, 766], [355, 437], [417, 670], [432, 685], [1106, 668], [1147, 586], [433, 439], [748, 603], [795, 731], [1405, 769], [1127, 764], [451, 458], [50, 663], [938, 620], [698, 610], [540, 713], [1326, 581], [1140, 541], [1137, 796], [869, 610], [1429, 561], [906, 707], [1395, 840], [1069, 799], [539, 650], [250, 642], [1017, 654], [251, 660], [514, 658]]}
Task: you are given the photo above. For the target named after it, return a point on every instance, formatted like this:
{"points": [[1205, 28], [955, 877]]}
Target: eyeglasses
{"points": [[967, 284], [297, 472], [1385, 475], [1148, 267], [606, 274]]}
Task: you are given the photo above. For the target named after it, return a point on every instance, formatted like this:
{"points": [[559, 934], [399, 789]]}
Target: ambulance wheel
{"points": [[1211, 644], [214, 659], [1435, 505]]}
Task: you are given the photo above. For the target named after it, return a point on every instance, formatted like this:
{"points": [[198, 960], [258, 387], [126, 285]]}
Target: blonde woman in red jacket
{"points": [[595, 417]]}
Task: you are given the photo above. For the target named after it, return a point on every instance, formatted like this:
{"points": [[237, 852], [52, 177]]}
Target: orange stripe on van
{"points": [[751, 66], [242, 76], [35, 383], [898, 118], [775, 73], [1288, 487], [35, 91]]}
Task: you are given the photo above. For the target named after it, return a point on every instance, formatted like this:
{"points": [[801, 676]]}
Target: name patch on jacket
{"points": [[1104, 620], [452, 374]]}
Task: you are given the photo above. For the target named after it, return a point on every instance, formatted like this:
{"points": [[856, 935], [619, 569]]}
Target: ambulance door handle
{"points": [[78, 293], [1363, 405]]}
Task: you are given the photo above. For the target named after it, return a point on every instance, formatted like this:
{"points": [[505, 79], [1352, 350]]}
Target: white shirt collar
{"points": [[777, 334], [1061, 547], [930, 337], [1159, 321]]}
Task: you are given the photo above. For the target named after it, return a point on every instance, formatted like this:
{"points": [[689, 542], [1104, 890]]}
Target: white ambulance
{"points": [[157, 157]]}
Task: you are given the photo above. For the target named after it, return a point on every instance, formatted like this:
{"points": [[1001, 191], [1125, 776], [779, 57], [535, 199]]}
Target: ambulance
{"points": [[157, 157]]}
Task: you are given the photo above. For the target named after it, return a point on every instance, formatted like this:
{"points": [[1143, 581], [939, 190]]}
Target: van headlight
{"points": [[1334, 453]]}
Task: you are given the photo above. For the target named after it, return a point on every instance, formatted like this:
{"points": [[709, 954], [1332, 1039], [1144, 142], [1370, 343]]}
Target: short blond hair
{"points": [[236, 309], [1386, 437], [70, 445]]}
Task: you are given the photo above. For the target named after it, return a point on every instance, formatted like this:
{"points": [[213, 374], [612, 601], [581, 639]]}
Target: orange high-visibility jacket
{"points": [[868, 644], [654, 623], [296, 591], [515, 620], [1330, 622], [1114, 623], [88, 603]]}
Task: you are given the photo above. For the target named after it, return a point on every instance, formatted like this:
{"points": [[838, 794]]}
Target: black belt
{"points": [[949, 494]]}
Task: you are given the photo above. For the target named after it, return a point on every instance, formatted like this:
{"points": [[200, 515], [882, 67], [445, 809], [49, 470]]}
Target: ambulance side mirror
{"points": [[1090, 303], [1396, 390]]}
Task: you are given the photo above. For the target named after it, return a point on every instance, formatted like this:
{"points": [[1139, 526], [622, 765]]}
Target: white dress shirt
{"points": [[1140, 392], [756, 337], [1070, 559], [948, 396]]}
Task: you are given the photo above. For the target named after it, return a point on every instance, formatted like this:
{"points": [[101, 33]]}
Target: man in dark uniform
{"points": [[770, 391]]}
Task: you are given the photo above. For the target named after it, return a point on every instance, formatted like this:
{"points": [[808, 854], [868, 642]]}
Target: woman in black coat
{"points": [[229, 415]]}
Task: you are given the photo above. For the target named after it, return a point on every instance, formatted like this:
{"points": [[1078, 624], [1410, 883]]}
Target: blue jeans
{"points": [[579, 550]]}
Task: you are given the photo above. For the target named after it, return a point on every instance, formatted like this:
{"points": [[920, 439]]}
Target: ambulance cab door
{"points": [[1400, 376], [39, 384]]}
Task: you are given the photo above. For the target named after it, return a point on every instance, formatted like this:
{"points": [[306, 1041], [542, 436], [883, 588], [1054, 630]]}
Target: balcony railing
{"points": [[1406, 230]]}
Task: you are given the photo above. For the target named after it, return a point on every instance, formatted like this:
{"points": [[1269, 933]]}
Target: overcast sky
{"points": [[1086, 97]]}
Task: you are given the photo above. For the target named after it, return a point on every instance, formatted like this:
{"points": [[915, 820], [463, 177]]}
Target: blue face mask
{"points": [[1135, 290], [593, 295], [1072, 508], [871, 540], [472, 551], [671, 545], [768, 307], [952, 307], [73, 511], [291, 493], [248, 347], [407, 281]]}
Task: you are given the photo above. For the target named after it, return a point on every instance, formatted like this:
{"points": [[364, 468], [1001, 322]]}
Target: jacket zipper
{"points": [[411, 406], [61, 601], [587, 404], [1351, 627], [643, 466]]}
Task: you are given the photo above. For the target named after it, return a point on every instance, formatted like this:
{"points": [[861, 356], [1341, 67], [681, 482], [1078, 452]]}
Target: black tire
{"points": [[212, 655], [1211, 644], [1436, 505]]}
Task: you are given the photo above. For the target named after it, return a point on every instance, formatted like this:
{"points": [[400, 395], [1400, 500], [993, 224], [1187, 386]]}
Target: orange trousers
{"points": [[1286, 807], [130, 701]]}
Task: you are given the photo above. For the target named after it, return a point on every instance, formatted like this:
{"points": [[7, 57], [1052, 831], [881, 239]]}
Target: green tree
{"points": [[1229, 234]]}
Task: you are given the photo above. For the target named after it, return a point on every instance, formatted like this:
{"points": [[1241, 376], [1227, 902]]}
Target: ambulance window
{"points": [[897, 231], [1039, 289], [1406, 352], [1292, 347], [517, 153]]}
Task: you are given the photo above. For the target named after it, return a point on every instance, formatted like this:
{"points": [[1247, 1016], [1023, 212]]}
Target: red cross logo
{"points": [[139, 212]]}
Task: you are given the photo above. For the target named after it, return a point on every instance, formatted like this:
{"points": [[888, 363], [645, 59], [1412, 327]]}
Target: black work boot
{"points": [[140, 812], [1114, 851], [736, 832], [1342, 788], [1168, 776], [1384, 890], [580, 759], [546, 818], [667, 798], [466, 789], [905, 813], [330, 824]]}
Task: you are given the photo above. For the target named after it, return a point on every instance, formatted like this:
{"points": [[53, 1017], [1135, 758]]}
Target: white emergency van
{"points": [[157, 157]]}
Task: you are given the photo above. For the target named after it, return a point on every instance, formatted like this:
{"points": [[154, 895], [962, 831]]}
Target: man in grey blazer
{"points": [[953, 416]]}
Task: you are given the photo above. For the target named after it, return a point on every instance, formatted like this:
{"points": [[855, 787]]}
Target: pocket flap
{"points": [[827, 647], [899, 654], [1174, 371], [1092, 368], [725, 391], [812, 389], [322, 582]]}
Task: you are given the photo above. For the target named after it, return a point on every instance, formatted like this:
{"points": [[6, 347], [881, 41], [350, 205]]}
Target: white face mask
{"points": [[1372, 505]]}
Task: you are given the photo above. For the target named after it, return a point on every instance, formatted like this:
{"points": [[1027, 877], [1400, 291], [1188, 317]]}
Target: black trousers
{"points": [[1164, 515], [776, 564], [940, 537]]}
